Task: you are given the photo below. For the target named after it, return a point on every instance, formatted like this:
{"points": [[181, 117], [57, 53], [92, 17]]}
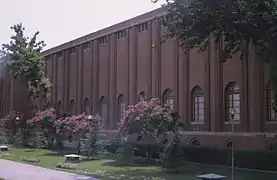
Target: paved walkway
{"points": [[10, 170]]}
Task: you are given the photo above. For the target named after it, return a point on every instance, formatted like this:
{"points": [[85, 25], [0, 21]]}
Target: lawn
{"points": [[107, 168]]}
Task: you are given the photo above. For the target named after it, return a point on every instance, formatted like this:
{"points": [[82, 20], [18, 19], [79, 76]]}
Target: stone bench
{"points": [[72, 158], [4, 148], [211, 177]]}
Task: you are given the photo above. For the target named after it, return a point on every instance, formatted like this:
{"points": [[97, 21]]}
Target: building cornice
{"points": [[109, 30]]}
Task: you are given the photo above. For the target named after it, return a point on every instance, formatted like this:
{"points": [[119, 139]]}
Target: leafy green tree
{"points": [[91, 144], [25, 61], [238, 24]]}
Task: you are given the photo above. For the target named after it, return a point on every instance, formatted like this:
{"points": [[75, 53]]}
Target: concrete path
{"points": [[10, 170]]}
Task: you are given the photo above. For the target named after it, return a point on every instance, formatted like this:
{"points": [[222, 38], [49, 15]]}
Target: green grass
{"points": [[105, 168]]}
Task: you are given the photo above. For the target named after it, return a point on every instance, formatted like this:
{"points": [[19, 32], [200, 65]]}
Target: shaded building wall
{"points": [[13, 96], [113, 66]]}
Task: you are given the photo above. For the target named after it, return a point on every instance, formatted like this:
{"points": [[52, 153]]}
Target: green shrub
{"points": [[126, 153], [258, 159], [5, 155], [31, 160], [66, 165], [172, 158], [3, 140], [112, 146], [266, 160]]}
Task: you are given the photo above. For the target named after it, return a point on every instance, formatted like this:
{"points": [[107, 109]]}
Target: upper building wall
{"points": [[107, 31], [116, 64]]}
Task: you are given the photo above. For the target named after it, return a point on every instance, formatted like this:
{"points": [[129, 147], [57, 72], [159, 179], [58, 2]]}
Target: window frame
{"points": [[233, 102], [197, 103]]}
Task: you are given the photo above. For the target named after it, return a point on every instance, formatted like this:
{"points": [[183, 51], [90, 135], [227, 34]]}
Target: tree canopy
{"points": [[236, 23], [24, 60]]}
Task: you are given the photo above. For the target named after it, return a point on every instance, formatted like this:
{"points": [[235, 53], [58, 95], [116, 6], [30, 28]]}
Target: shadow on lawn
{"points": [[30, 150]]}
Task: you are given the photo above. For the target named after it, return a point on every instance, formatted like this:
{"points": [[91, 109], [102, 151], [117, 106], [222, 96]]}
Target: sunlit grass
{"points": [[109, 168]]}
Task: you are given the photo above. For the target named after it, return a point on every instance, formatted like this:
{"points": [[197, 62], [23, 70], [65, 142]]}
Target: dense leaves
{"points": [[41, 125], [77, 123], [146, 118], [151, 122], [233, 24], [24, 61]]}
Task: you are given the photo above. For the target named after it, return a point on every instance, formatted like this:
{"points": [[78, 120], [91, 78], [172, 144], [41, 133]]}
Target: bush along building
{"points": [[105, 71]]}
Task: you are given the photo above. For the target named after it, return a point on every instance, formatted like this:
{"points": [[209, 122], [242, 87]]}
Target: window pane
{"points": [[236, 97]]}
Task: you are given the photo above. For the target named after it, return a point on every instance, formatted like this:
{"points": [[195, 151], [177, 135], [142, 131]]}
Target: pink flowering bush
{"points": [[43, 116], [150, 121], [40, 130], [79, 126], [146, 118], [75, 124]]}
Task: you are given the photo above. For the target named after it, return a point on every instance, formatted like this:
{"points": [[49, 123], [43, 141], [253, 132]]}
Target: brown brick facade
{"points": [[103, 71]]}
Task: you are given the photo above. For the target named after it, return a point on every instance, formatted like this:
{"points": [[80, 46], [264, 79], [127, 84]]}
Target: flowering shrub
{"points": [[79, 126], [40, 130], [151, 121], [74, 124], [146, 118], [8, 124], [43, 116]]}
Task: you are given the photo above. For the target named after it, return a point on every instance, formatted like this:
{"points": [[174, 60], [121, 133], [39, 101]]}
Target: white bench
{"points": [[4, 148], [72, 158], [210, 177]]}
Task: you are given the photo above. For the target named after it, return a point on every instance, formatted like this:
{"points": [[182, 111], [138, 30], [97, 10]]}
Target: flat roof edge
{"points": [[109, 30]]}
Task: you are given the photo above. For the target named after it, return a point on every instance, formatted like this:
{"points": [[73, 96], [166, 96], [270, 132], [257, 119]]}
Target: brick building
{"points": [[105, 71]]}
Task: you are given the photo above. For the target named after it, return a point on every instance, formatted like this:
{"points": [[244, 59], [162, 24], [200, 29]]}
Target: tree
{"points": [[25, 61], [151, 122], [238, 24], [77, 126], [42, 123]]}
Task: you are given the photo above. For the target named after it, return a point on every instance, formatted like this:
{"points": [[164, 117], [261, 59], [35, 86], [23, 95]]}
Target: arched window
{"points": [[86, 106], [103, 109], [197, 104], [72, 107], [59, 107], [121, 107], [167, 98], [272, 114], [233, 101], [141, 96]]}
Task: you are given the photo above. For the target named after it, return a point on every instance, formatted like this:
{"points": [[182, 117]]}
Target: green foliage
{"points": [[18, 139], [66, 165], [126, 151], [5, 155], [26, 62], [37, 139], [91, 144], [31, 159], [172, 156], [233, 24]]}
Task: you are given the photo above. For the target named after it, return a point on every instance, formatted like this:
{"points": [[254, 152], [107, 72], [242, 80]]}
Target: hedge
{"points": [[264, 160]]}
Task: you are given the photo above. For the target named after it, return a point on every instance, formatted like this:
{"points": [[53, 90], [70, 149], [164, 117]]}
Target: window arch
{"points": [[272, 114], [167, 98], [141, 96], [103, 109], [72, 107], [197, 104], [233, 101], [86, 106], [121, 107]]}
